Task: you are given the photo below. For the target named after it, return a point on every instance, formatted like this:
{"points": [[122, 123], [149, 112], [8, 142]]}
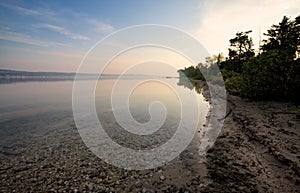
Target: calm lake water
{"points": [[41, 148], [38, 114]]}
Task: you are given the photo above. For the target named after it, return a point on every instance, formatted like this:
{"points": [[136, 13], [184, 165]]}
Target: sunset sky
{"points": [[55, 35]]}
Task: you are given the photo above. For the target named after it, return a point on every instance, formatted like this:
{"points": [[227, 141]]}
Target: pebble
{"points": [[144, 190], [90, 186]]}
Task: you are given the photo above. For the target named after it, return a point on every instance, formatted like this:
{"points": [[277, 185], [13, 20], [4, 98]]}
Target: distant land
{"points": [[15, 75]]}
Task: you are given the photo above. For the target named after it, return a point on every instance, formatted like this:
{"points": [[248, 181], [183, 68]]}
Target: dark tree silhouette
{"points": [[284, 37], [240, 51]]}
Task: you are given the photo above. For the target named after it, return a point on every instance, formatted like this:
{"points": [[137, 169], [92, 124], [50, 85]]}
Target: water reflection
{"points": [[192, 85], [30, 111], [139, 102], [39, 138]]}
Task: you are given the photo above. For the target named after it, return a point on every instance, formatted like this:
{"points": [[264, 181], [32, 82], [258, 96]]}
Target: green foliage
{"points": [[234, 85], [274, 74], [192, 72], [264, 76], [201, 72], [241, 47], [285, 37], [229, 73], [240, 51]]}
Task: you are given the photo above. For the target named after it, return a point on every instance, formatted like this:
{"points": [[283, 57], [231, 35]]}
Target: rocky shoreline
{"points": [[257, 151], [56, 160]]}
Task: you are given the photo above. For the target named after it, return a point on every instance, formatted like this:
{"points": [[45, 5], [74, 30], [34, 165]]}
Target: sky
{"points": [[55, 35]]}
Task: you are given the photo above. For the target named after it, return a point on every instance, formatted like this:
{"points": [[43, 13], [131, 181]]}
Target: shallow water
{"points": [[28, 100], [37, 125]]}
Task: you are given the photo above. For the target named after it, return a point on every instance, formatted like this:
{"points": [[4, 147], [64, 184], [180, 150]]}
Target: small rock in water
{"points": [[162, 177], [90, 186]]}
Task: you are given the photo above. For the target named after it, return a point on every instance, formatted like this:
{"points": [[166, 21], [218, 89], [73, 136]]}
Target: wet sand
{"points": [[258, 149]]}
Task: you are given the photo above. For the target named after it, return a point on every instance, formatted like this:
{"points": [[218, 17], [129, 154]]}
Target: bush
{"points": [[271, 75], [234, 85]]}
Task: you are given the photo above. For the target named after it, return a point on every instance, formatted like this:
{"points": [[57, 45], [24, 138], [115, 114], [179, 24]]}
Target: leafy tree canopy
{"points": [[273, 74]]}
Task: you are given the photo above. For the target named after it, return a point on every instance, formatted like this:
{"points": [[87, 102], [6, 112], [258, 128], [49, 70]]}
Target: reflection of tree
{"points": [[184, 81], [191, 84], [199, 86]]}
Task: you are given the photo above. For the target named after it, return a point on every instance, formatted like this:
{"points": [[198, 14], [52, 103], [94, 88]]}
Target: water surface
{"points": [[27, 109]]}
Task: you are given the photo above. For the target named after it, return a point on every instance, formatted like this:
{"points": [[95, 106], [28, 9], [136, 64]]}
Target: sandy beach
{"points": [[258, 149]]}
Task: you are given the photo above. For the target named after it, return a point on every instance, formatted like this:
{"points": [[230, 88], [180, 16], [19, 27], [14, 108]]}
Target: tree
{"points": [[241, 47], [240, 51], [275, 73], [193, 72], [297, 32], [219, 58], [284, 37], [270, 75]]}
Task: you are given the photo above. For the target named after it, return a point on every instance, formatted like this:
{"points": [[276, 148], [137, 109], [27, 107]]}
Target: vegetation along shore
{"points": [[258, 148]]}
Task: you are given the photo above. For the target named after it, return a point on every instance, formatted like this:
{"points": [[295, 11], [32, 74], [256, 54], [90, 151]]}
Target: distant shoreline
{"points": [[14, 75], [21, 74]]}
